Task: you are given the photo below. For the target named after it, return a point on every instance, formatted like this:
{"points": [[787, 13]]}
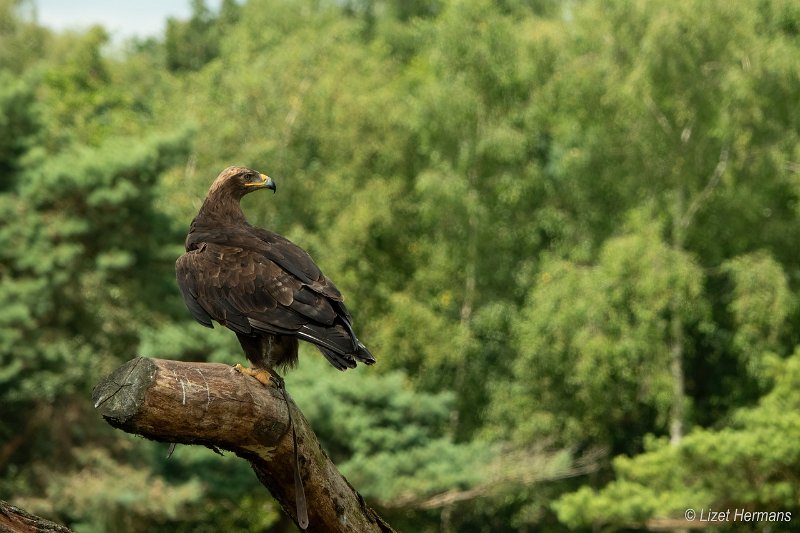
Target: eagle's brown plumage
{"points": [[259, 284]]}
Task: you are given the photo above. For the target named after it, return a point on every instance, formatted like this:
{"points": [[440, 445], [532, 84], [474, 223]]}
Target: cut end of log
{"points": [[120, 394]]}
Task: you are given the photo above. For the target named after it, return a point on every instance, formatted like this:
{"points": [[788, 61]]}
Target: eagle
{"points": [[262, 286]]}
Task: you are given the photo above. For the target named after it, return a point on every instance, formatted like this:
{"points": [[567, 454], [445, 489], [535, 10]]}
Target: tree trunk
{"points": [[677, 411], [213, 405], [682, 219]]}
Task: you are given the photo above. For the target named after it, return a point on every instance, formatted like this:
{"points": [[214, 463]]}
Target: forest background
{"points": [[568, 231]]}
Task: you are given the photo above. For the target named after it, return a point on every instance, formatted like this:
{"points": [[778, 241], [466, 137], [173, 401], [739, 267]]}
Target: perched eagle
{"points": [[261, 285]]}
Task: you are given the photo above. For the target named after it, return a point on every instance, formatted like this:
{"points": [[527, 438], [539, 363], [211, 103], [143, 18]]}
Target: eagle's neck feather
{"points": [[221, 209]]}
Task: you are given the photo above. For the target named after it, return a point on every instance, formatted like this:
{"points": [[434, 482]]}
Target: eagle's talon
{"points": [[263, 375]]}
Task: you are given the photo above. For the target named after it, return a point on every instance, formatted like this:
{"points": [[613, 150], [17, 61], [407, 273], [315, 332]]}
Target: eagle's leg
{"points": [[263, 375], [258, 350]]}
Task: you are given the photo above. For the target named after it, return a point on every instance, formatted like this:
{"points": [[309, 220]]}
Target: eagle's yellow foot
{"points": [[260, 374]]}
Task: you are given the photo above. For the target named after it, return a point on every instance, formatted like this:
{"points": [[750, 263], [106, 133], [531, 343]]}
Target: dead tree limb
{"points": [[213, 405], [16, 520]]}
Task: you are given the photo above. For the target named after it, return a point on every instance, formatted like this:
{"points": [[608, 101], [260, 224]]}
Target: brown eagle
{"points": [[261, 285]]}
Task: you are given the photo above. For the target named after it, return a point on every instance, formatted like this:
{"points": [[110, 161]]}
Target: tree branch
{"points": [[704, 195], [16, 520], [507, 473], [213, 405]]}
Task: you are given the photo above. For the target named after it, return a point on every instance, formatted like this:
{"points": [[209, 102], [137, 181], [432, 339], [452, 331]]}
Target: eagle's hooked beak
{"points": [[265, 183], [268, 183]]}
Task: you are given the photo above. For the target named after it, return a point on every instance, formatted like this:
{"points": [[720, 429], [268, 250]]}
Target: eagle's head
{"points": [[238, 181]]}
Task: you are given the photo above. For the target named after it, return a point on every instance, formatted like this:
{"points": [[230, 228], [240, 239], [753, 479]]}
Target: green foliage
{"points": [[388, 439], [760, 301], [191, 44], [22, 41], [19, 125], [599, 331], [72, 259], [752, 464], [106, 495]]}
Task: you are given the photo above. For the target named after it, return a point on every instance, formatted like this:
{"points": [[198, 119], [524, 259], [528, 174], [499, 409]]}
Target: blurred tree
{"points": [[191, 44], [76, 80], [669, 128], [752, 465], [388, 438], [20, 126], [473, 183], [22, 41], [640, 121], [80, 246], [601, 331]]}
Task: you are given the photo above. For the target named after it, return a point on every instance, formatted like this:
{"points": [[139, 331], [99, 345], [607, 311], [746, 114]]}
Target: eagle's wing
{"points": [[247, 290], [298, 262], [272, 246]]}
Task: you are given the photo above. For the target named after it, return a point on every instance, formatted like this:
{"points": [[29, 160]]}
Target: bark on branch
{"points": [[213, 405], [16, 520]]}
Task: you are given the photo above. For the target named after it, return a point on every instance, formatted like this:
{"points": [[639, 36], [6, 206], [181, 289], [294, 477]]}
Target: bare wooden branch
{"points": [[16, 520], [705, 194], [213, 405], [521, 468]]}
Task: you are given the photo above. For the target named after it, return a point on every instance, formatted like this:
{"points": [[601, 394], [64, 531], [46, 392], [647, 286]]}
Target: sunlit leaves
{"points": [[752, 464], [601, 331], [760, 303]]}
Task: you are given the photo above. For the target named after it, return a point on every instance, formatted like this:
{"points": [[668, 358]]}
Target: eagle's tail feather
{"points": [[344, 361], [364, 355], [341, 362]]}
